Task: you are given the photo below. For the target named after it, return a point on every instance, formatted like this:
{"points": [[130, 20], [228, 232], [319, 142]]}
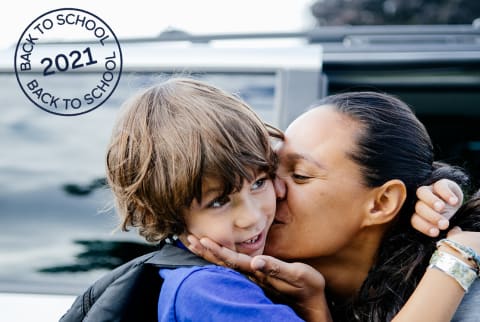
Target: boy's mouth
{"points": [[253, 240], [252, 245]]}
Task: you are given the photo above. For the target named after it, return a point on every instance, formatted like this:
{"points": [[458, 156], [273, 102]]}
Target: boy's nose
{"points": [[249, 215]]}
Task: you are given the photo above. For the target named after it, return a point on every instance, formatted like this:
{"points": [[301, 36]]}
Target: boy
{"points": [[187, 157]]}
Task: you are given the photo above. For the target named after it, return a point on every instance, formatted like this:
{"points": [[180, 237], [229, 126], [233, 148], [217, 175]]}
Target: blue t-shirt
{"points": [[215, 293]]}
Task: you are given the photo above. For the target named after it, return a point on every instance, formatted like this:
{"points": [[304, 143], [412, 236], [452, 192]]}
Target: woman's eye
{"points": [[299, 177], [259, 183], [218, 202]]}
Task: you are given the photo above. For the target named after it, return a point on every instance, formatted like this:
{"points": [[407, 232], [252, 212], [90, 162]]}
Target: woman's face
{"points": [[321, 214]]}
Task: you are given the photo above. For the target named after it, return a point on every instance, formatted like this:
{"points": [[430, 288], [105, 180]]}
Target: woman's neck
{"points": [[346, 270]]}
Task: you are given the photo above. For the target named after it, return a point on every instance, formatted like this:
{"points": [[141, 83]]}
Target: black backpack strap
{"points": [[171, 256], [130, 292]]}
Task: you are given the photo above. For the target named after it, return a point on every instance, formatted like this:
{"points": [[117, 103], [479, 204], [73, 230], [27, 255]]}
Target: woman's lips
{"points": [[281, 216]]}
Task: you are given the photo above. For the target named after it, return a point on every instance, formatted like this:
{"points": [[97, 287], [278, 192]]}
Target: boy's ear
{"points": [[385, 202]]}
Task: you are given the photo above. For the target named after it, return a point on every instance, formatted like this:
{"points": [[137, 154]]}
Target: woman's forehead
{"points": [[321, 137], [320, 126]]}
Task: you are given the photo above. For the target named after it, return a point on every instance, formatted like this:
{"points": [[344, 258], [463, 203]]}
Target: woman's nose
{"points": [[280, 188]]}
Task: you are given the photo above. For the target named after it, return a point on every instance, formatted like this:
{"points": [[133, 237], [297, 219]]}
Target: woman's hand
{"points": [[301, 283], [219, 255], [436, 205]]}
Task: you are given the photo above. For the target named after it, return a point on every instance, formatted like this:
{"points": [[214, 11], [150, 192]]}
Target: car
{"points": [[60, 227]]}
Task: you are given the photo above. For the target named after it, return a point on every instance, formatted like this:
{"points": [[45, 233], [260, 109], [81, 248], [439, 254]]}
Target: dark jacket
{"points": [[130, 292]]}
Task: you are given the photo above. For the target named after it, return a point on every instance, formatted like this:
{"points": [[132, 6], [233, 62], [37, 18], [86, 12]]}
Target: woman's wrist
{"points": [[457, 261], [315, 309], [468, 254], [463, 273]]}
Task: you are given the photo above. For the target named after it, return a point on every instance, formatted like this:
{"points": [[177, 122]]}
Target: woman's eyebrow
{"points": [[294, 156]]}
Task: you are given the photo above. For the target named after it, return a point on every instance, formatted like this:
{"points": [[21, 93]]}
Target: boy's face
{"points": [[239, 221]]}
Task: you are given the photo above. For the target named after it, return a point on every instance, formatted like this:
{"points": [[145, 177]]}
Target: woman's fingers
{"points": [[219, 255], [228, 257], [285, 276], [197, 248]]}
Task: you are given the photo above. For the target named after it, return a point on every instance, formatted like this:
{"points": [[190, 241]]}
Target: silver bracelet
{"points": [[467, 252], [464, 274]]}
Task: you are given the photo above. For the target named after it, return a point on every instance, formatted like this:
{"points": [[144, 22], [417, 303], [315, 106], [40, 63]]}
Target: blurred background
{"points": [[394, 12]]}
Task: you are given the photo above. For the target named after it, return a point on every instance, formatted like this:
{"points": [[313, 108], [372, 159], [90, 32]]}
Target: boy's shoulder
{"points": [[206, 293], [215, 293], [130, 289], [170, 256], [194, 275]]}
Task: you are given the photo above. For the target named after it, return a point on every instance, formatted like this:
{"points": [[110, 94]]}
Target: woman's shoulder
{"points": [[469, 309]]}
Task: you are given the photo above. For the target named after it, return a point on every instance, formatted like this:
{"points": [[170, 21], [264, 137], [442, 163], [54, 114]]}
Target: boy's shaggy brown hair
{"points": [[171, 137]]}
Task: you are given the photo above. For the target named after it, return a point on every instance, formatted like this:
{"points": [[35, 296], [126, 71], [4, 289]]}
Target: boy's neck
{"points": [[181, 241]]}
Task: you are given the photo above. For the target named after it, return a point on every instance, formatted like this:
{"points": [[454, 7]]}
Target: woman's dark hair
{"points": [[392, 144]]}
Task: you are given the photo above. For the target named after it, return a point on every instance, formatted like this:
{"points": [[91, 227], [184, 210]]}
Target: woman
{"points": [[351, 167]]}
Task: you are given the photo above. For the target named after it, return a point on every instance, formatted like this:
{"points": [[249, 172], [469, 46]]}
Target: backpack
{"points": [[130, 292]]}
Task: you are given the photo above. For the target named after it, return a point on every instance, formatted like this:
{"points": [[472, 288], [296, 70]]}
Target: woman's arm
{"points": [[438, 295], [435, 299]]}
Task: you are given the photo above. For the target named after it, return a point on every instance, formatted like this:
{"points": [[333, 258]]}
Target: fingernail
{"points": [[204, 243], [433, 232], [443, 223], [438, 205], [258, 263], [453, 200]]}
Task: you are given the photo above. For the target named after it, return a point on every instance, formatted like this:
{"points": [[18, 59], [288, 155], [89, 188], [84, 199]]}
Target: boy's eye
{"points": [[218, 202], [259, 183]]}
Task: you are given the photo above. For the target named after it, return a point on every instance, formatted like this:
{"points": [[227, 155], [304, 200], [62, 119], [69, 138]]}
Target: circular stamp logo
{"points": [[68, 61]]}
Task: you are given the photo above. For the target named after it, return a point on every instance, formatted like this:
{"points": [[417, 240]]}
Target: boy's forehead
{"points": [[211, 185], [215, 184]]}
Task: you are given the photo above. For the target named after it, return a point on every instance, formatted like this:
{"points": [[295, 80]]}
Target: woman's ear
{"points": [[385, 202]]}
